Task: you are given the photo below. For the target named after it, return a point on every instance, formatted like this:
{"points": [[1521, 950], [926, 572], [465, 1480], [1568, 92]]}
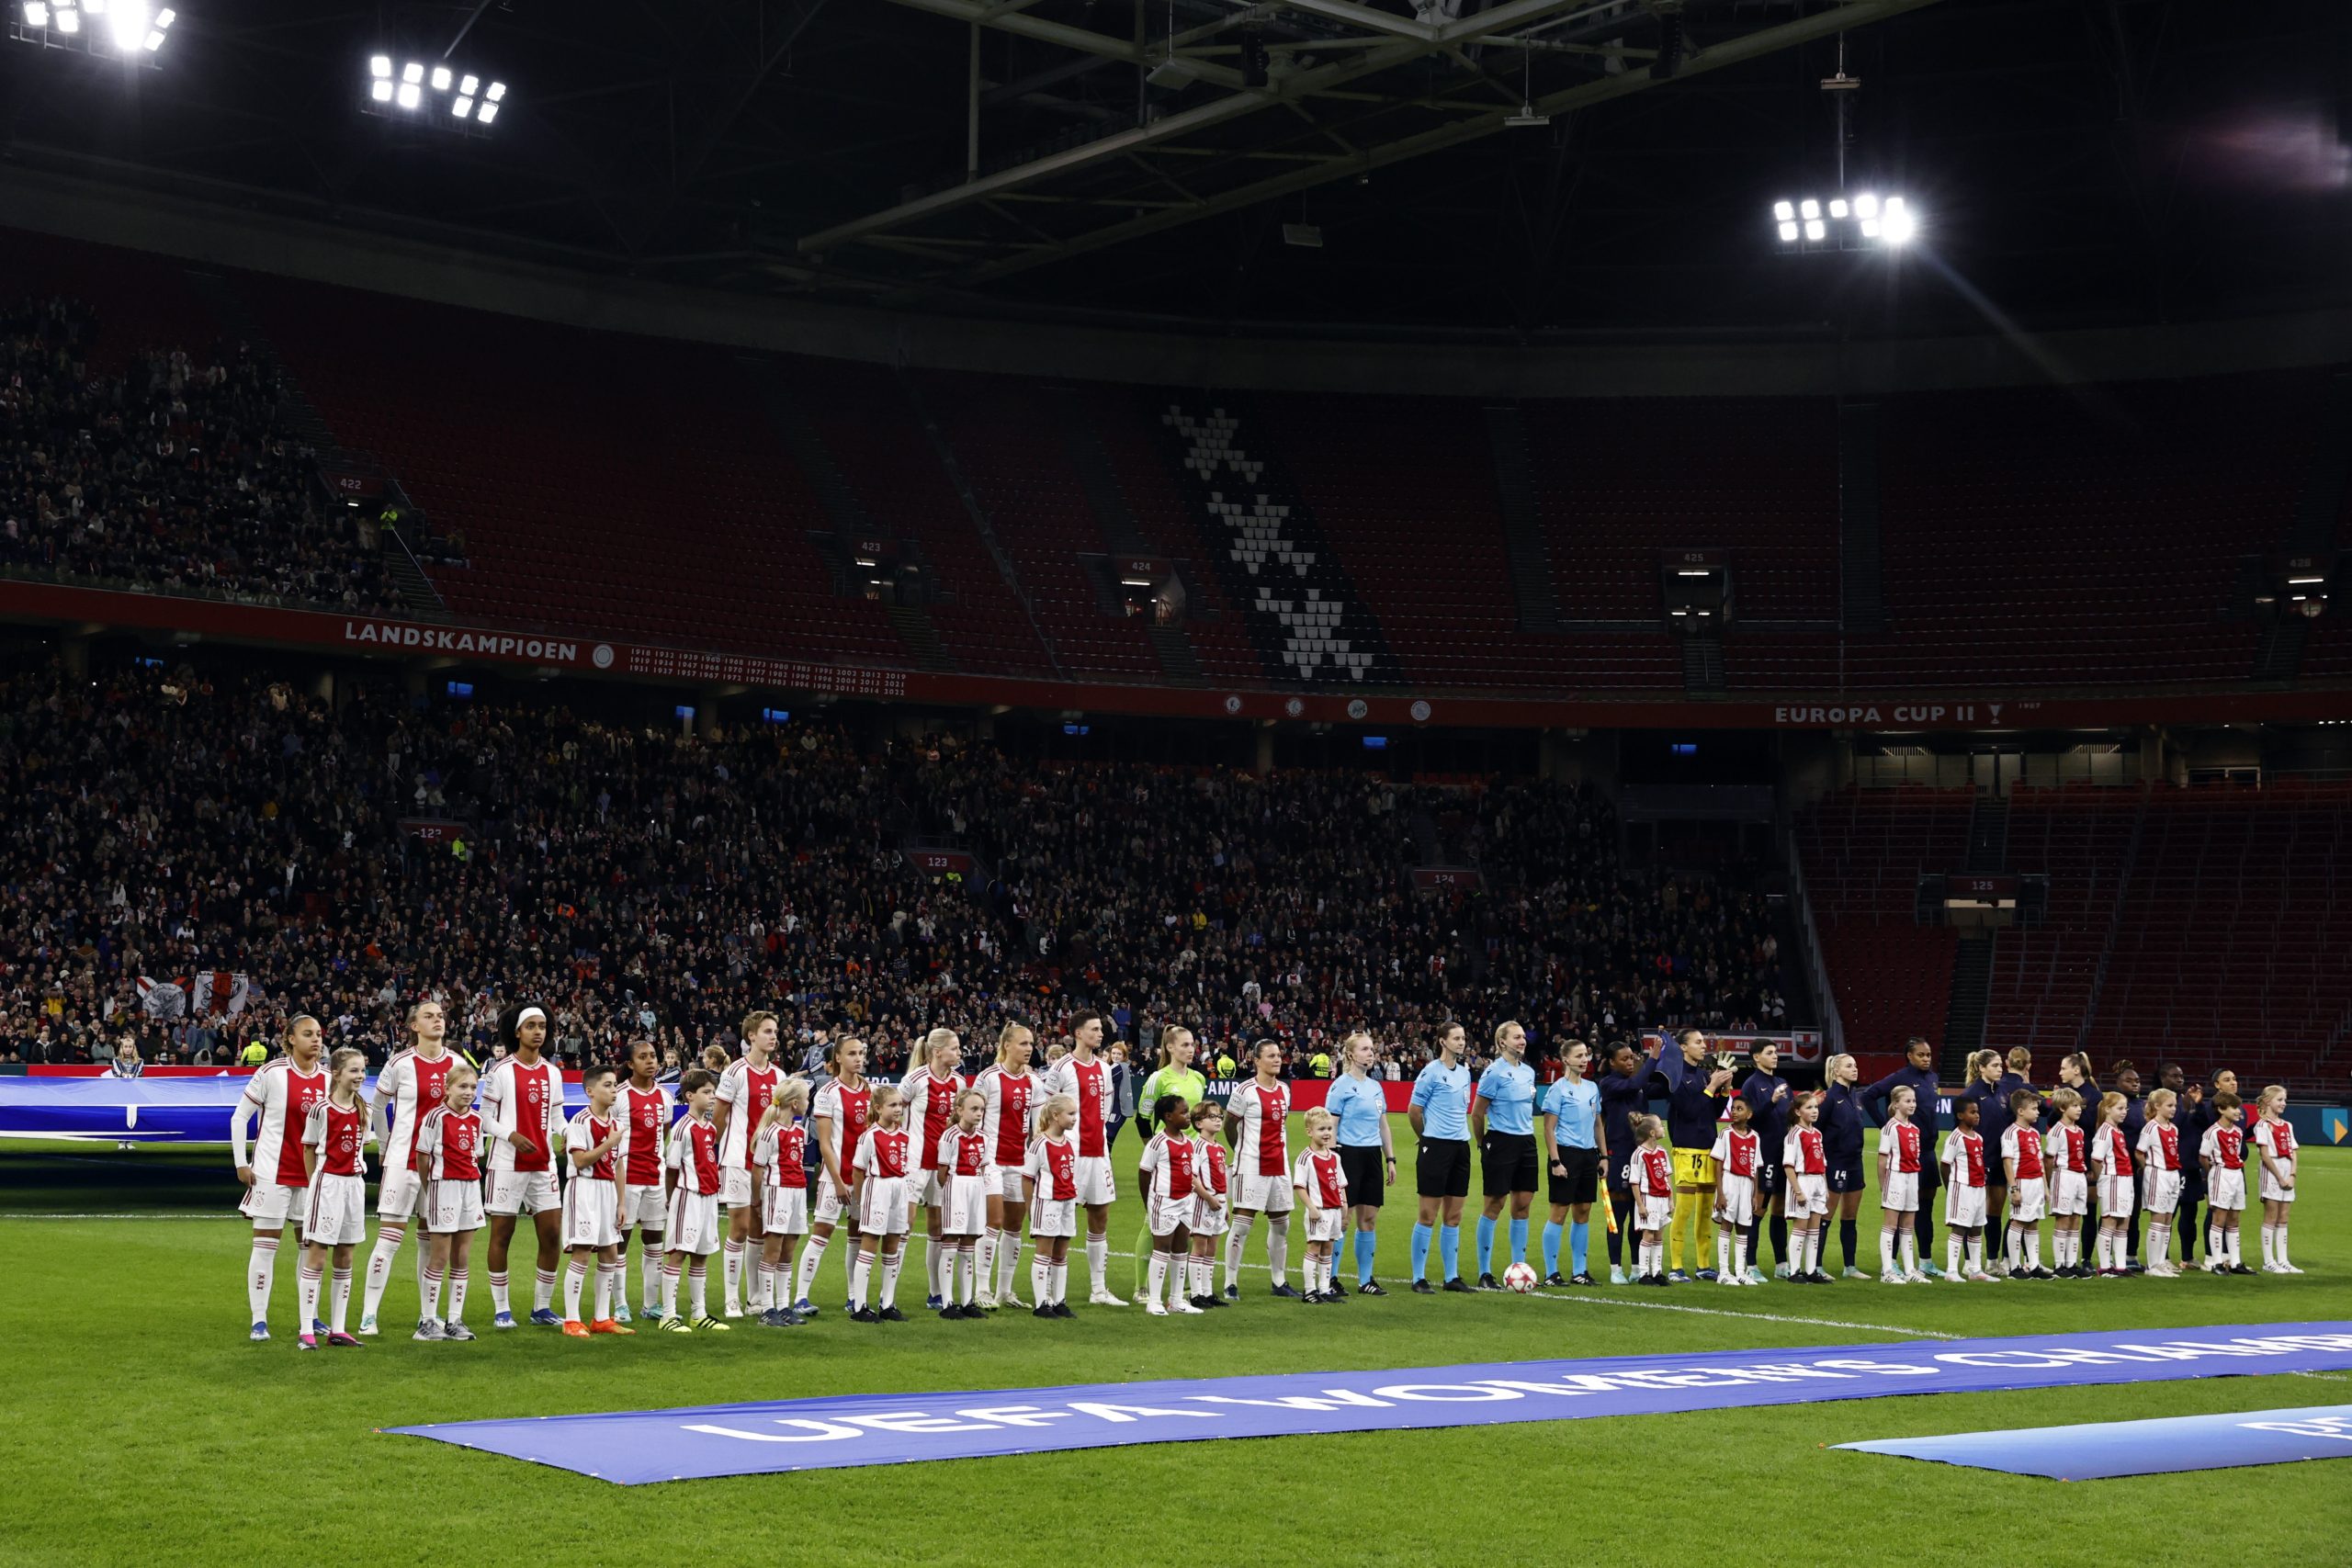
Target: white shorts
{"points": [[2272, 1192], [882, 1205], [1208, 1214], [1094, 1181], [398, 1194], [2116, 1197], [926, 1190], [590, 1213], [1808, 1195], [1901, 1192], [1264, 1194], [2070, 1193], [2224, 1189], [1009, 1183], [830, 1203], [337, 1213], [268, 1203], [2028, 1199], [2162, 1189], [694, 1223], [1326, 1224], [1050, 1217], [967, 1206], [1166, 1215], [522, 1193], [1735, 1199], [1964, 1206], [1653, 1213], [786, 1211], [735, 1187], [451, 1206], [645, 1206]]}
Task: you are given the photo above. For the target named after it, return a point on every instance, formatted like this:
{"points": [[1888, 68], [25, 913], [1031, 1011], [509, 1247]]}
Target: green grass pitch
{"points": [[140, 1426]]}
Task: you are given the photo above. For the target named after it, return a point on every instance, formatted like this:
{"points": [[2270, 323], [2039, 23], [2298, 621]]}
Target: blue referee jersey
{"points": [[1508, 1090], [1359, 1104], [1577, 1104], [1444, 1095]]}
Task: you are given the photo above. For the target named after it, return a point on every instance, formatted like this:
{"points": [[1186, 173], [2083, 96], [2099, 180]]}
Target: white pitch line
{"points": [[1759, 1316]]}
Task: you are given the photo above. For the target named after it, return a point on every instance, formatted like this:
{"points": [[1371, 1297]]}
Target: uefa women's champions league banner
{"points": [[160, 1109]]}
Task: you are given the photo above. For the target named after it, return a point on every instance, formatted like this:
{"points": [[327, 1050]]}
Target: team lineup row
{"points": [[1010, 1150]]}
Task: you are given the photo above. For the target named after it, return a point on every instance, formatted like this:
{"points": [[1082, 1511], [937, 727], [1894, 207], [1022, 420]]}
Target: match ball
{"points": [[1521, 1278]]}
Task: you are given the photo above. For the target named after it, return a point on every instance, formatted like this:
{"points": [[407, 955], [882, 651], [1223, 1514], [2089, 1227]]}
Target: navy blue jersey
{"points": [[1874, 1101], [2193, 1121], [1842, 1125], [1769, 1100], [2135, 1117], [1691, 1112], [1622, 1096]]}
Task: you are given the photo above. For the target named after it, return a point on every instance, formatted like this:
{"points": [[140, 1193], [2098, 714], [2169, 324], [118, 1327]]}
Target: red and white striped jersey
{"points": [[693, 1153], [1089, 1083], [1319, 1173], [1213, 1170], [2160, 1141], [645, 1117], [1009, 1098], [1052, 1167], [1260, 1113], [783, 1152], [841, 1115], [1738, 1151], [528, 1100], [414, 1083], [2023, 1145], [448, 1143], [1906, 1145], [283, 1098], [2224, 1146], [882, 1152], [337, 1132], [2110, 1149], [960, 1153], [930, 1107], [1964, 1157], [583, 1133], [2277, 1139], [746, 1090], [1802, 1153], [1653, 1169], [1168, 1161], [2069, 1147]]}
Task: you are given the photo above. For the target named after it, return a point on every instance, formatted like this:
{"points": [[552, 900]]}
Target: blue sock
{"points": [[1579, 1231], [1449, 1250], [1365, 1240], [1485, 1244], [1420, 1251], [1551, 1248], [1519, 1241]]}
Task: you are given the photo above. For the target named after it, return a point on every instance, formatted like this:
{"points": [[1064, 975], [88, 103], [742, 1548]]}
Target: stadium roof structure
{"points": [[2075, 161]]}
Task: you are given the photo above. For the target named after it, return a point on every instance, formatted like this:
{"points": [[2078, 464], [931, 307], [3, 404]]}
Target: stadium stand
{"points": [[1863, 851]]}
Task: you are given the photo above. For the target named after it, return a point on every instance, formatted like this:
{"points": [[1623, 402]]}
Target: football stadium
{"points": [[737, 737]]}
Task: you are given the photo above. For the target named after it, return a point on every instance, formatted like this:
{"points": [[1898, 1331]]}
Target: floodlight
{"points": [[441, 78], [36, 14], [127, 20], [1838, 208], [380, 91], [470, 85], [69, 21], [497, 94], [1870, 229], [488, 112], [412, 73], [1898, 226], [1866, 205], [1809, 209], [1788, 231], [380, 67], [1784, 210], [462, 107], [408, 95], [1816, 230]]}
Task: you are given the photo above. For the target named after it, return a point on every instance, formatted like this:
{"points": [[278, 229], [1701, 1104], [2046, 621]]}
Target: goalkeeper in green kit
{"points": [[1173, 1076]]}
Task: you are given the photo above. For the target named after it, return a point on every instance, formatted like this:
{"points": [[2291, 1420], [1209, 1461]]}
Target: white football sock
{"points": [[810, 1256], [1951, 1253], [608, 1286], [429, 1300], [935, 1272], [575, 1276], [498, 1293], [1155, 1277], [698, 1273], [1722, 1250], [306, 1297], [986, 1264], [339, 1301], [649, 1267], [542, 1290], [672, 1265], [1097, 1263], [1058, 1281], [1278, 1247], [261, 1269], [1041, 1277], [860, 1269], [730, 1286], [458, 1283], [1910, 1244], [1886, 1253], [380, 1267], [1235, 1239]]}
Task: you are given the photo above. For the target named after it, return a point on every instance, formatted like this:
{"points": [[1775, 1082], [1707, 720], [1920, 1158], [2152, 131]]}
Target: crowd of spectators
{"points": [[173, 824], [174, 476]]}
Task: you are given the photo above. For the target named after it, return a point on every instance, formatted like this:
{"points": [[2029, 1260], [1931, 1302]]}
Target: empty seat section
{"points": [[1863, 851]]}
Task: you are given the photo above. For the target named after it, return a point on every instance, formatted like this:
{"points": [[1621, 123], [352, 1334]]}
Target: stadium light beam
{"points": [[432, 93], [128, 30], [1867, 221]]}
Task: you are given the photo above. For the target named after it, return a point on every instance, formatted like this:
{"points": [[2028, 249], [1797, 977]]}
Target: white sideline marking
{"points": [[1760, 1317]]}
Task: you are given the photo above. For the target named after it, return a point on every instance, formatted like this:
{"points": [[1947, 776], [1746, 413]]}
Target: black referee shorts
{"points": [[1441, 1168], [1582, 1181], [1367, 1173], [1510, 1163]]}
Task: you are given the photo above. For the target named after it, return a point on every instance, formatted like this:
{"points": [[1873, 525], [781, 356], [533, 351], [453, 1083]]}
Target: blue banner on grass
{"points": [[189, 1110], [2097, 1451], [898, 1428]]}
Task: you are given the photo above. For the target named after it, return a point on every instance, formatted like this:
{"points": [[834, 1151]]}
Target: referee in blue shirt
{"points": [[1365, 1154], [1502, 1118], [1439, 1113], [1572, 1128]]}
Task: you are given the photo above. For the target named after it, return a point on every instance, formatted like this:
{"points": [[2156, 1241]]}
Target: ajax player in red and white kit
{"points": [[930, 1087], [645, 1108], [2022, 1163], [1256, 1115], [275, 1174], [1321, 1184], [1653, 1182], [1086, 1079], [592, 1205], [1212, 1184], [407, 1091], [781, 1151], [2159, 1152], [2111, 1175], [694, 1227], [1739, 1156], [962, 1178], [881, 1185], [521, 1098], [2067, 1154], [1008, 1098], [1051, 1169], [1902, 1155], [1967, 1172], [337, 1218], [1804, 1160], [842, 1111], [744, 1091], [1171, 1170], [2274, 1141], [451, 1147], [2223, 1154]]}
